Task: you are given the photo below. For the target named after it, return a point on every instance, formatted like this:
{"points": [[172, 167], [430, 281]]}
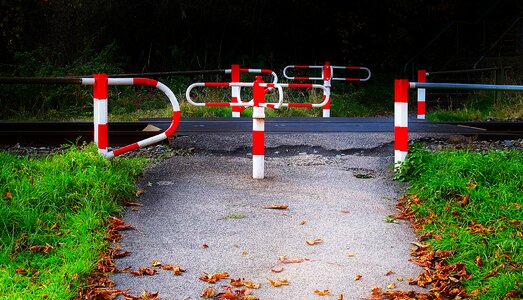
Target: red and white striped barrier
{"points": [[235, 72], [260, 89], [100, 84], [327, 76], [401, 120], [422, 77]]}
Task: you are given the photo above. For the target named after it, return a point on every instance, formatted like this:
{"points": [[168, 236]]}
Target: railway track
{"points": [[123, 133]]}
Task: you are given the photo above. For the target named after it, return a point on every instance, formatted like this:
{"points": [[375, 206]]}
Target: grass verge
{"points": [[54, 217], [470, 204]]}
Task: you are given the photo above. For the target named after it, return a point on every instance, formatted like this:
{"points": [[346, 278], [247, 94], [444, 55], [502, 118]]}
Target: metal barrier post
{"points": [[100, 95], [235, 91], [258, 131], [401, 121], [327, 75], [422, 77]]}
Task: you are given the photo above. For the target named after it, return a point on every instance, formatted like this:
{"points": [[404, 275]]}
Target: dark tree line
{"points": [[203, 34]]}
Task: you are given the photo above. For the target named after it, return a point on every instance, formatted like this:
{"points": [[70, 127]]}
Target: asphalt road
{"points": [[210, 198]]}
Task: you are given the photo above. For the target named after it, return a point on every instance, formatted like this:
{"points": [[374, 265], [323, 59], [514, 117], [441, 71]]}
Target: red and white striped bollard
{"points": [[100, 95], [401, 120], [422, 77], [258, 131]]}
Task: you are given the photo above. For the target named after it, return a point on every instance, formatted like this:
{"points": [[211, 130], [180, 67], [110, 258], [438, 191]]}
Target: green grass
{"points": [[62, 201], [490, 226]]}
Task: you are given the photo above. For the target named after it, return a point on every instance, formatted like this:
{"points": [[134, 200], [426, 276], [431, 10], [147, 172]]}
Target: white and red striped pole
{"points": [[327, 75], [422, 77], [258, 131], [100, 93], [235, 91], [401, 120]]}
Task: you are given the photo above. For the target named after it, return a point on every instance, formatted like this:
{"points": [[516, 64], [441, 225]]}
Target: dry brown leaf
{"points": [[205, 246], [20, 271], [177, 270], [350, 254], [213, 278], [9, 196], [286, 260], [399, 279], [55, 226], [345, 211], [140, 192], [277, 269], [357, 277], [118, 254], [278, 282], [314, 242], [209, 293], [144, 271], [236, 282], [276, 206], [45, 249], [471, 185], [302, 222], [128, 203], [465, 200], [340, 297], [251, 285], [389, 273], [156, 263], [391, 286], [322, 293], [479, 261]]}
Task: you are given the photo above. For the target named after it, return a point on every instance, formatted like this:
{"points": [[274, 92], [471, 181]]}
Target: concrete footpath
{"points": [[338, 188]]}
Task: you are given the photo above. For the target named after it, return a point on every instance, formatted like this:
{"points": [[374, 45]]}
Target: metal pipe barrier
{"points": [[401, 89], [100, 83], [260, 89], [327, 76], [235, 72]]}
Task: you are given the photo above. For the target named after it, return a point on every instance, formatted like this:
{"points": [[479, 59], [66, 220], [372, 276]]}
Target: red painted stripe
{"points": [[235, 73], [300, 85], [258, 142], [326, 72], [352, 79], [300, 105], [401, 90], [421, 107], [244, 70], [216, 84], [127, 148], [271, 105], [422, 76], [352, 68], [328, 104], [266, 71], [174, 124], [301, 67], [270, 85], [217, 104], [100, 86], [301, 78], [401, 138], [102, 136], [145, 81]]}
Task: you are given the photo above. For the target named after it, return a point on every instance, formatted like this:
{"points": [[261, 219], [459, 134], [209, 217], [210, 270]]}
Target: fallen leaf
{"points": [[9, 196], [127, 203], [144, 271], [148, 296], [314, 242], [479, 261], [520, 234], [277, 269], [286, 260], [118, 254], [251, 285], [205, 246], [75, 276], [350, 254], [389, 273], [344, 211], [244, 253], [278, 282], [357, 277], [213, 278], [471, 185], [302, 222], [118, 224], [340, 297], [20, 271], [45, 249], [139, 192], [276, 206], [322, 293], [177, 270], [55, 226], [391, 286], [399, 278], [209, 293], [156, 263], [465, 200], [511, 294]]}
